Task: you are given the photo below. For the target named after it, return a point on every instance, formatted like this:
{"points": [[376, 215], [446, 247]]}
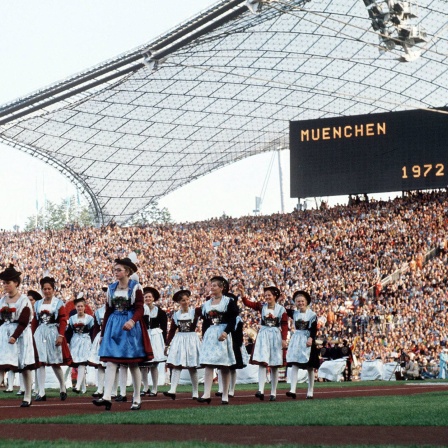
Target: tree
{"points": [[57, 216], [152, 214]]}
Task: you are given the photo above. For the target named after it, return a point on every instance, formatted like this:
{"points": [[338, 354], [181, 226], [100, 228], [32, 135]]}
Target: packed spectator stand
{"points": [[343, 255]]}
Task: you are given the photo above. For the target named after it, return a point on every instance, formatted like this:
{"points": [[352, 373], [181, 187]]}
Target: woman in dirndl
{"points": [[302, 352], [49, 325], [157, 325], [219, 315], [16, 339], [94, 357], [79, 334], [183, 343], [124, 337], [271, 338]]}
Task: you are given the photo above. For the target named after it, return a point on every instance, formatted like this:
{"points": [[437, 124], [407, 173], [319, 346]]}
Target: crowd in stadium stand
{"points": [[339, 254]]}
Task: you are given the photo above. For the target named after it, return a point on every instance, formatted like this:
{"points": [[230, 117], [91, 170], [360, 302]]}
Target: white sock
{"points": [[232, 382], [109, 379], [116, 379], [274, 380], [144, 371], [100, 378], [175, 377], [11, 376], [136, 376], [81, 376], [123, 379], [225, 372], [27, 376], [59, 374], [36, 381], [219, 381], [294, 377], [194, 382], [41, 380], [155, 378], [208, 381], [310, 382], [262, 373], [22, 382]]}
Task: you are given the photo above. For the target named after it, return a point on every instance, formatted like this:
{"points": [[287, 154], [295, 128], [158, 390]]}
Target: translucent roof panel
{"points": [[221, 87]]}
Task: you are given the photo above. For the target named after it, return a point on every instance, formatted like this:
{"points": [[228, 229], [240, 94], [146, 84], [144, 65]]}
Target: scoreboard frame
{"points": [[373, 153]]}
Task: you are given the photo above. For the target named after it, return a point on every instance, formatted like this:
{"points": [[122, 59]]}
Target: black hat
{"points": [[47, 279], [225, 283], [153, 291], [127, 262], [34, 294], [9, 274], [304, 294], [275, 291], [179, 294], [104, 288]]}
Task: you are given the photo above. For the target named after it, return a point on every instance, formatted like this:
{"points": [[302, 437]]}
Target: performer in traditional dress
{"points": [[302, 352], [49, 325], [16, 340], [219, 314], [124, 336], [271, 339], [33, 296], [157, 323], [239, 350], [79, 333], [183, 343], [94, 358]]}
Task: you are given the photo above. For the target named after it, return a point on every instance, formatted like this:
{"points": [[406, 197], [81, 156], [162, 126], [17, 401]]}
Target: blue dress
{"points": [[118, 345]]}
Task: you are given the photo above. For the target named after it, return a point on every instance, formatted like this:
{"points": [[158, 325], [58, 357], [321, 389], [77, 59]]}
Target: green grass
{"points": [[53, 393], [429, 409]]}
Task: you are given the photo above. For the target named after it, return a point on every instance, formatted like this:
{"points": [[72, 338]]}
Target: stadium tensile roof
{"points": [[218, 88]]}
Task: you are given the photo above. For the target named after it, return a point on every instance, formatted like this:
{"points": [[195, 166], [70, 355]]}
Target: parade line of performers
{"points": [[129, 333]]}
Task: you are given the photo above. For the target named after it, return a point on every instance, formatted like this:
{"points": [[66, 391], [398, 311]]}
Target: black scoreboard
{"points": [[375, 153]]}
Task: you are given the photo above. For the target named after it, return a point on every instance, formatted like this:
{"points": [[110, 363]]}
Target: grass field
{"points": [[421, 410]]}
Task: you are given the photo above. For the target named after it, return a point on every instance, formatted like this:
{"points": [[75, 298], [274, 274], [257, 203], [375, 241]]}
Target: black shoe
{"points": [[168, 394], [272, 398], [194, 398], [291, 394], [121, 398], [136, 406], [218, 394], [39, 398], [152, 394], [25, 404], [309, 397], [224, 402], [142, 393], [97, 395], [6, 391], [102, 402], [260, 395], [63, 396], [76, 391], [230, 395], [20, 392], [204, 400]]}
